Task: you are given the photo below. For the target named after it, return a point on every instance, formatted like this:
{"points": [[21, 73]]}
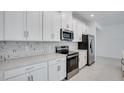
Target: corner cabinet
{"points": [[57, 69], [22, 26], [51, 26], [1, 26]]}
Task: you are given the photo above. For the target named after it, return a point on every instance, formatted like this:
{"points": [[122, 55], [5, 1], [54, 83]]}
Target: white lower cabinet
{"points": [[82, 58], [57, 69], [14, 25], [19, 78], [39, 75], [53, 70], [36, 72]]}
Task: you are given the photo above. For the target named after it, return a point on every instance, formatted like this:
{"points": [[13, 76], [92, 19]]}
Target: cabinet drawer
{"points": [[59, 60], [35, 66], [14, 72], [22, 70]]}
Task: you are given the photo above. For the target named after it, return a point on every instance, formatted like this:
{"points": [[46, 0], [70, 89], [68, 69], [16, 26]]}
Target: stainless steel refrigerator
{"points": [[88, 43]]}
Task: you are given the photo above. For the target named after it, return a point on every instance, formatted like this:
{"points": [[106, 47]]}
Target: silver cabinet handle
{"points": [[25, 34], [67, 25], [58, 68], [28, 78], [32, 78]]}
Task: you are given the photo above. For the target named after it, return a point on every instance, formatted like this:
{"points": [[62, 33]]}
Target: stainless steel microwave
{"points": [[66, 35]]}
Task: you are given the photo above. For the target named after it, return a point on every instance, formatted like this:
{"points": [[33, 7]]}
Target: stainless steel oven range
{"points": [[72, 60]]}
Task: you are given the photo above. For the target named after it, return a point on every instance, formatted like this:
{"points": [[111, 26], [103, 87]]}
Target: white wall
{"points": [[110, 41]]}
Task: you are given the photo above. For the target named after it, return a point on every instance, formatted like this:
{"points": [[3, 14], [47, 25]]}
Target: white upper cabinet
{"points": [[67, 20], [78, 28], [56, 25], [14, 25], [33, 26], [47, 26], [75, 30], [51, 26], [1, 25], [23, 26]]}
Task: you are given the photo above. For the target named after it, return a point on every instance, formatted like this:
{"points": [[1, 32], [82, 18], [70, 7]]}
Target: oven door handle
{"points": [[73, 56]]}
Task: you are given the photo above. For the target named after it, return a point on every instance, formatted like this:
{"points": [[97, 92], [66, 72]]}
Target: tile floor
{"points": [[104, 69]]}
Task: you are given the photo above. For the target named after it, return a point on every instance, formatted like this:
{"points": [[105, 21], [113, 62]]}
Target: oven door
{"points": [[72, 63]]}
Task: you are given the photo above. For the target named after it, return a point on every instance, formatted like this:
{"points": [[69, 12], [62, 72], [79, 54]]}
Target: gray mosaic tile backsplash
{"points": [[13, 49]]}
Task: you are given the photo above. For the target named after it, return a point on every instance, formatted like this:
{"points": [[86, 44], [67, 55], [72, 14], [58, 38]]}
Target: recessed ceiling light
{"points": [[92, 15]]}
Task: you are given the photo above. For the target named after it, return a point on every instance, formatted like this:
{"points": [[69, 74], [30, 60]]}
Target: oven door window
{"points": [[72, 63]]}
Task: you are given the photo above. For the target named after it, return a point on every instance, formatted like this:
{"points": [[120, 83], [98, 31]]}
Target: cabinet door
{"points": [[82, 58], [80, 30], [51, 26], [85, 57], [62, 70], [47, 26], [14, 25], [56, 25], [67, 20], [57, 70], [76, 38], [53, 72], [81, 61], [24, 77], [1, 25], [33, 25], [39, 75]]}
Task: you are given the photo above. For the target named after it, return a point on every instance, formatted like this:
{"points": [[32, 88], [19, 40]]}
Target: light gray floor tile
{"points": [[104, 69]]}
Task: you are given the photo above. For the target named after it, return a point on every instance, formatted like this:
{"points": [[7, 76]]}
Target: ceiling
{"points": [[103, 18]]}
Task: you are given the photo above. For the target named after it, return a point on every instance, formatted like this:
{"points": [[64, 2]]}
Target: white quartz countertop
{"points": [[20, 62]]}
